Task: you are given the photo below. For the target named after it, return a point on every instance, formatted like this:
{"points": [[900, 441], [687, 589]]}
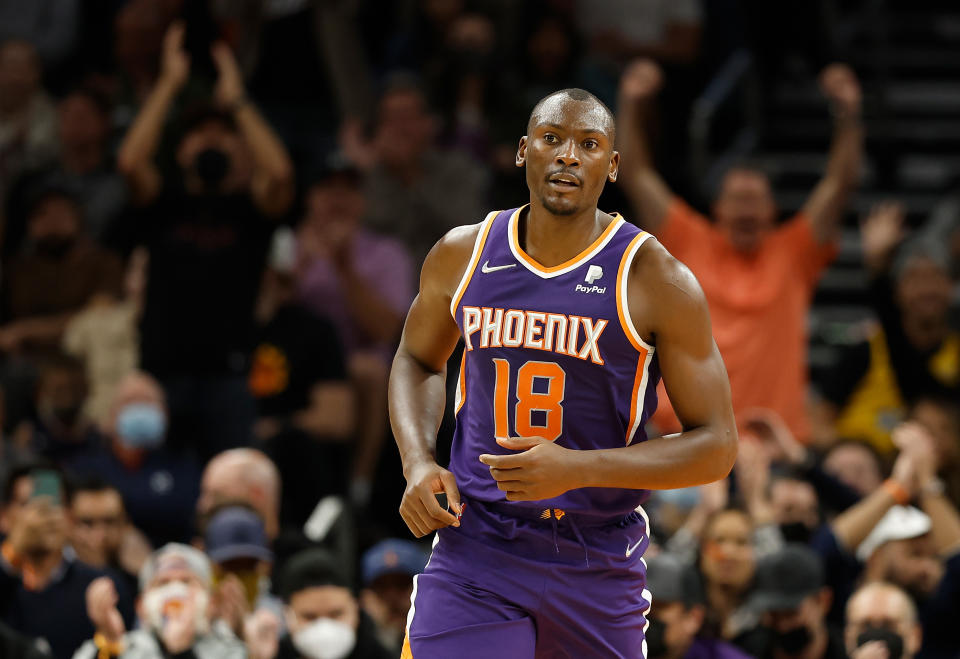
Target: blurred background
{"points": [[212, 219]]}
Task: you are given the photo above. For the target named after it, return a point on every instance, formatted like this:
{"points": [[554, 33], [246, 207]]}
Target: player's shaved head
{"points": [[548, 105]]}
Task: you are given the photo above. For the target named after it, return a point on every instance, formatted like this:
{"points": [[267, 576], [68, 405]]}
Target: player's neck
{"points": [[554, 239]]}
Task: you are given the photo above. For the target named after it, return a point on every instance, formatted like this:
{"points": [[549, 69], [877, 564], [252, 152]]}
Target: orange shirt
{"points": [[758, 306]]}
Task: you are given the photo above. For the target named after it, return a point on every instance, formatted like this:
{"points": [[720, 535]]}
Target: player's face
{"points": [[568, 155]]}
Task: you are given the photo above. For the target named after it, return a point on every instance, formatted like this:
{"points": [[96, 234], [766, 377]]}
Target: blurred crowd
{"points": [[212, 218]]}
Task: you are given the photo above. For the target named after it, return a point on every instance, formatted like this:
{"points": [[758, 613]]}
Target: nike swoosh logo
{"points": [[632, 549], [486, 268]]}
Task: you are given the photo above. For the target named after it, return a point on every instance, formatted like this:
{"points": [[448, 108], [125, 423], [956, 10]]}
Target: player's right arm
{"points": [[646, 189], [418, 383]]}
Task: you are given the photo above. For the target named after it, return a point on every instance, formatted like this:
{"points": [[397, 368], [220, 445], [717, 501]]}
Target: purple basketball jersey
{"points": [[550, 352]]}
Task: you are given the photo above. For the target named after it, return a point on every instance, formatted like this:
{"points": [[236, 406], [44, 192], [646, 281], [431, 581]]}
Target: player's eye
{"points": [[550, 138], [590, 144]]}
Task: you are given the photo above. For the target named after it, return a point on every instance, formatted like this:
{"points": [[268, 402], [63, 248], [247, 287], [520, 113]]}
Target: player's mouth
{"points": [[563, 181]]}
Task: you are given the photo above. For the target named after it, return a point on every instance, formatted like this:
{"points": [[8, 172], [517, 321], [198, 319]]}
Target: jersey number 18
{"points": [[529, 401]]}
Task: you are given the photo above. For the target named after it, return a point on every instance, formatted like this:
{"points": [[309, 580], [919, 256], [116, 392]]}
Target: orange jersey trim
{"points": [[474, 260], [623, 311], [639, 393], [406, 652], [461, 384], [583, 256]]}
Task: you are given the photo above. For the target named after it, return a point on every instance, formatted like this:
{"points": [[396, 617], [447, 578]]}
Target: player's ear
{"points": [[522, 152], [614, 167]]}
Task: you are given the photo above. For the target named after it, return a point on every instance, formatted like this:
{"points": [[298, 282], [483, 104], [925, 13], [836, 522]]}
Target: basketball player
{"points": [[569, 317]]}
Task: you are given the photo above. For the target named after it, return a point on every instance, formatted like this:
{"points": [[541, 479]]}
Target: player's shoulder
{"points": [[450, 256], [664, 276]]}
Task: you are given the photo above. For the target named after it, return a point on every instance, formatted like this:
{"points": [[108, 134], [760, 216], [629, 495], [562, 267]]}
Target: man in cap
{"points": [[677, 614], [322, 614], [174, 610], [388, 570], [792, 601], [237, 545]]}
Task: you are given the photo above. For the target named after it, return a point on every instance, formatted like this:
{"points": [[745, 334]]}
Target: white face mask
{"points": [[325, 638], [158, 602]]}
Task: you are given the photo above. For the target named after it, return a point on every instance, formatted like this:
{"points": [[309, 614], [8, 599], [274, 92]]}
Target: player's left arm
{"points": [[665, 294], [824, 208]]}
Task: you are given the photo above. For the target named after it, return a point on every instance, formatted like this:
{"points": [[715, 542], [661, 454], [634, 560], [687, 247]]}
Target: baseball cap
{"points": [[671, 580], [176, 557], [784, 579], [900, 523], [393, 557], [236, 532], [311, 568]]}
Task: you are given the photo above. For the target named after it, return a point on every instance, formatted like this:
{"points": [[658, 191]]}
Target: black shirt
{"points": [[207, 254], [295, 351], [58, 613]]}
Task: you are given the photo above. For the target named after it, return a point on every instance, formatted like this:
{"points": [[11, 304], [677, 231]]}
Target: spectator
{"points": [[677, 615], [793, 599], [28, 121], [159, 482], [758, 278], [50, 25], [237, 545], [796, 508], [940, 416], [388, 571], [207, 232], [245, 475], [727, 562], [42, 584], [919, 551], [856, 464], [83, 167], [305, 400], [174, 611], [104, 335], [364, 284], [880, 616], [324, 619], [17, 646], [415, 193], [620, 30], [54, 275], [873, 384], [100, 532], [60, 430]]}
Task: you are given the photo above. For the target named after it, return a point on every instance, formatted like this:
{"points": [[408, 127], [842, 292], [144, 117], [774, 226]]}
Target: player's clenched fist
{"points": [[420, 508], [641, 81], [541, 470]]}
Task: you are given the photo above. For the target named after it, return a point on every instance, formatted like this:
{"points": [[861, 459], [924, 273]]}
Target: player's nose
{"points": [[567, 156]]}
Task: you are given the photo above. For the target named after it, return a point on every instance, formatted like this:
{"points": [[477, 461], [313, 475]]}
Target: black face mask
{"points": [[656, 639], [891, 639], [796, 532], [211, 166], [66, 415], [793, 641], [54, 247]]}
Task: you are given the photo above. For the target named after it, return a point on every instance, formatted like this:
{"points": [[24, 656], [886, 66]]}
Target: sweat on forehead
{"points": [[549, 109]]}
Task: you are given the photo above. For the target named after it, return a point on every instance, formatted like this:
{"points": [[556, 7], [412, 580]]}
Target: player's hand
{"points": [[542, 469], [641, 81], [840, 85], [420, 508], [102, 609]]}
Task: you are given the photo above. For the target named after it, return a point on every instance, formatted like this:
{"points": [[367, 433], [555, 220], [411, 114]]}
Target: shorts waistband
{"points": [[547, 514]]}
